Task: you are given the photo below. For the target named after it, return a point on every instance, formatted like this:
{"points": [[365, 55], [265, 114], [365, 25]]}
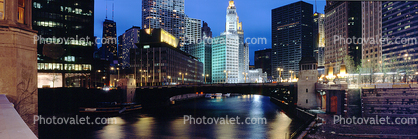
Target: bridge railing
{"points": [[217, 85]]}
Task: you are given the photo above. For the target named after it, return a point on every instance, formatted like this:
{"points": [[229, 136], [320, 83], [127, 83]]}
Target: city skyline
{"points": [[212, 12]]}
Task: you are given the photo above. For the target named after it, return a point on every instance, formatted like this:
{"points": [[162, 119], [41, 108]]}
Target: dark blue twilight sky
{"points": [[254, 15]]}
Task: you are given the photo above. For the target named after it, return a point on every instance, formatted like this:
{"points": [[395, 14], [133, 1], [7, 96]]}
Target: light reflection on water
{"points": [[169, 123]]}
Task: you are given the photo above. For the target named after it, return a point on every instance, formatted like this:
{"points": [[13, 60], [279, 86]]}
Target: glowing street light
{"points": [[280, 74], [226, 72], [245, 77], [291, 75], [207, 75], [182, 77]]}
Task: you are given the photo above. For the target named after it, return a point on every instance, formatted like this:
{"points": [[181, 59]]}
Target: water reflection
{"points": [[169, 122]]}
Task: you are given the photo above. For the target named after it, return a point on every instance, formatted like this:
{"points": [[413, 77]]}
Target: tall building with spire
{"points": [[229, 53], [109, 40], [166, 14]]}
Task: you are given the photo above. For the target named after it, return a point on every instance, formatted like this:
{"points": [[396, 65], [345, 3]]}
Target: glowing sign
{"points": [[146, 46], [169, 39]]}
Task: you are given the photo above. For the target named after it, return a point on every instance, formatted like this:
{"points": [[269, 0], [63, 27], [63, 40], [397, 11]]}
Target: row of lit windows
{"points": [[67, 67]]}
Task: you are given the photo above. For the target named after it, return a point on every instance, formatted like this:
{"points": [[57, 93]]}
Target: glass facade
{"points": [[262, 59], [400, 53], [291, 36], [66, 36]]}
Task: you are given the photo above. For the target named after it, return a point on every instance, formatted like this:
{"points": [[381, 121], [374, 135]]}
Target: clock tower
{"points": [[231, 18]]}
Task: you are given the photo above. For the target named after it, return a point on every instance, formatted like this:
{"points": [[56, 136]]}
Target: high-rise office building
{"points": [[319, 38], [291, 37], [127, 41], [109, 39], [243, 54], [193, 32], [157, 61], [203, 51], [226, 51], [206, 31], [65, 51], [372, 29], [342, 23], [225, 59], [399, 27], [166, 14], [262, 59]]}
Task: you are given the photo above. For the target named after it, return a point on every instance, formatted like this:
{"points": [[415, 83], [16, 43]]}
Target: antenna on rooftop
{"points": [[113, 10], [106, 9]]}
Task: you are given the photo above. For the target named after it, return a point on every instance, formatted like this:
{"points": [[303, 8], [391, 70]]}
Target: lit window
{"points": [[1, 9], [21, 11]]}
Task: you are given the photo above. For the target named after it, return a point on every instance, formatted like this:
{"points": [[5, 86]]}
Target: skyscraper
{"points": [[243, 54], [166, 14], [193, 32], [206, 31], [226, 49], [109, 40], [127, 41], [319, 38], [158, 61], [342, 21], [372, 28], [203, 51], [262, 59], [399, 25], [65, 51], [291, 36]]}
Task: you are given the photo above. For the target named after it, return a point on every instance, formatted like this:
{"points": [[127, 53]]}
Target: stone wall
{"points": [[393, 102], [18, 76]]}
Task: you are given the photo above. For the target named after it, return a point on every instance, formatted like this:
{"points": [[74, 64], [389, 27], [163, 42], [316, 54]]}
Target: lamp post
{"points": [[291, 75], [207, 75], [280, 74], [226, 72], [182, 77], [406, 67], [95, 78], [245, 77], [171, 80], [104, 80]]}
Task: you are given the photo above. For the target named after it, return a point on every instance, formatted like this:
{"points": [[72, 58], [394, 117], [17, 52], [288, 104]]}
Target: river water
{"points": [[172, 122]]}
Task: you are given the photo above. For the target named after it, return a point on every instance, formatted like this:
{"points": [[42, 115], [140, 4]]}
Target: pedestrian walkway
{"points": [[11, 124]]}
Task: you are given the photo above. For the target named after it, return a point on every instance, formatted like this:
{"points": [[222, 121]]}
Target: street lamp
{"points": [[245, 77], [182, 77], [291, 75], [95, 77], [207, 75], [226, 72], [280, 74], [171, 80]]}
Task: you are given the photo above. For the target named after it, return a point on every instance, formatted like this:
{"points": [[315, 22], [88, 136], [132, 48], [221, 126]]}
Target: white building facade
{"points": [[230, 55], [193, 33]]}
